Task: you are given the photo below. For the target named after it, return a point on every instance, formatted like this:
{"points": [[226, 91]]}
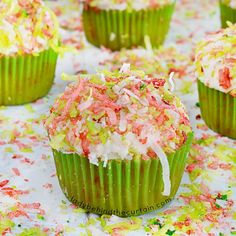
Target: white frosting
{"points": [[215, 54], [134, 4]]}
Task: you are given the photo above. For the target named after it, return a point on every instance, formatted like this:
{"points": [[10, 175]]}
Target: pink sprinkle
{"points": [[225, 166], [16, 171], [73, 206], [59, 230], [46, 230], [27, 161], [3, 183], [202, 127], [190, 168], [17, 213], [44, 157], [16, 156], [34, 205], [210, 218], [213, 165], [47, 186]]}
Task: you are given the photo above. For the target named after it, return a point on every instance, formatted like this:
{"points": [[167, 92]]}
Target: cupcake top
{"points": [[230, 3], [26, 27], [216, 60], [130, 4], [121, 115], [117, 115]]}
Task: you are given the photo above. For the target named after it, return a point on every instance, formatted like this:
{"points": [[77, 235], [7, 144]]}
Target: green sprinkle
{"points": [[170, 232], [29, 108], [28, 150], [142, 86], [24, 13], [222, 197], [156, 222], [40, 217], [8, 149], [64, 202]]}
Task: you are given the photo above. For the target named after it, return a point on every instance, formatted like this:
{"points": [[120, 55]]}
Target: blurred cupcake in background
{"points": [[126, 24], [228, 12], [120, 142], [29, 42], [216, 72]]}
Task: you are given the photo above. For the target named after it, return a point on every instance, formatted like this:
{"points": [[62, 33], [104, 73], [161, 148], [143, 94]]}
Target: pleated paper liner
{"points": [[122, 188], [218, 110], [116, 29], [24, 79], [227, 14]]}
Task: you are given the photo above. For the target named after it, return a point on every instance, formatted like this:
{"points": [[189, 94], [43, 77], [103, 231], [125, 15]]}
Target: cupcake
{"points": [[228, 12], [120, 142], [125, 24], [216, 72], [28, 44]]}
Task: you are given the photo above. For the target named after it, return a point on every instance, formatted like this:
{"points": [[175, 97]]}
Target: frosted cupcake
{"points": [[216, 71], [120, 142], [28, 44], [227, 11], [126, 24]]}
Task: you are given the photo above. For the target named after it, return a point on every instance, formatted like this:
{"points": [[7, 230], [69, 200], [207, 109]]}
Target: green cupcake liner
{"points": [[24, 79], [218, 110], [116, 29], [227, 14], [123, 187]]}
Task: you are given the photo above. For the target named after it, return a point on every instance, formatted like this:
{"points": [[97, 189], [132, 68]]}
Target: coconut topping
{"points": [[127, 4], [216, 60], [27, 27]]}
